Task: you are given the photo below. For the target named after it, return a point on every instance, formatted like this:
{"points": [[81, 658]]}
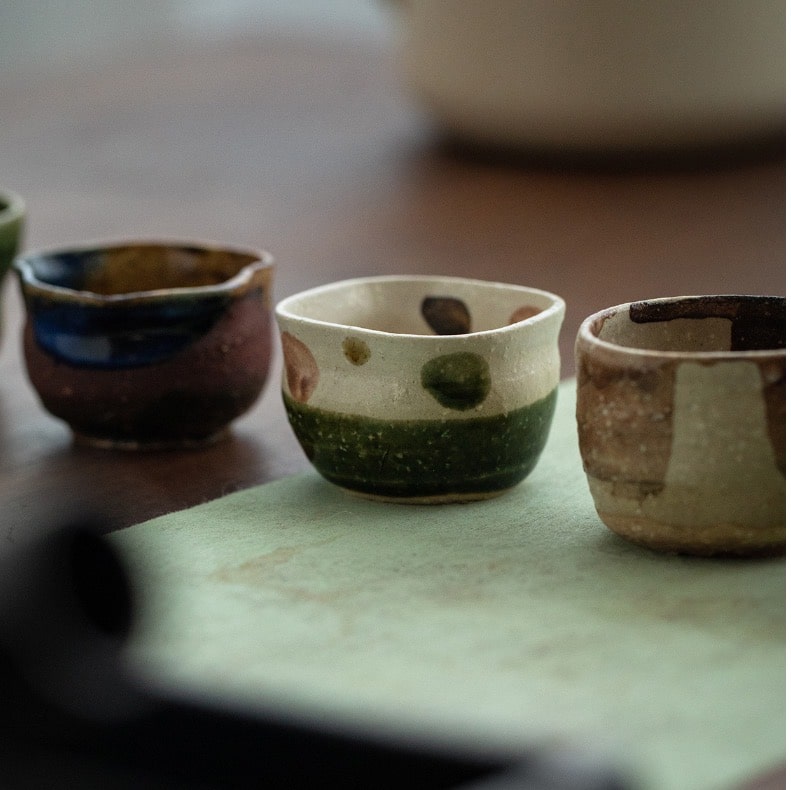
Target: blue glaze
{"points": [[66, 269], [121, 336]]}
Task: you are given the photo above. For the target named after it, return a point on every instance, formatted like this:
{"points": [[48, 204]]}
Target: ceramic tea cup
{"points": [[12, 220], [421, 389], [147, 343], [681, 422]]}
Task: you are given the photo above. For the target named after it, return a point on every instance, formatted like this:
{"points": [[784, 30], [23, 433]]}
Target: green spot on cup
{"points": [[458, 381]]}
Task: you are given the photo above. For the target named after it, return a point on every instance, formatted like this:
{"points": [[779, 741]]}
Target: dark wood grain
{"points": [[316, 152]]}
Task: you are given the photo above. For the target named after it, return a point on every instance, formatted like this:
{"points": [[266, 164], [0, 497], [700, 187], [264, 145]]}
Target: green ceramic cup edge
{"points": [[12, 224]]}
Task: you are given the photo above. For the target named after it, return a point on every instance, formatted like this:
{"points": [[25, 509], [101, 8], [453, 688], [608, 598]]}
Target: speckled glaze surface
{"points": [[147, 344], [681, 422], [12, 225], [421, 389]]}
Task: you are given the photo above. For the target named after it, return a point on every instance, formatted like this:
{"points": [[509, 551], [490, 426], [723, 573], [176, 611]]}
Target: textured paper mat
{"points": [[510, 621]]}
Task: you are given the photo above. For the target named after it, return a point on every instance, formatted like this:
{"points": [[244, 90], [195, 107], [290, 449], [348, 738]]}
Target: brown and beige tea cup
{"points": [[681, 422]]}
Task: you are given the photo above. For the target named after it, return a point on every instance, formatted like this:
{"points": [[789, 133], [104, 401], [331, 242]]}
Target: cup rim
{"points": [[586, 334], [22, 265], [12, 205], [283, 309]]}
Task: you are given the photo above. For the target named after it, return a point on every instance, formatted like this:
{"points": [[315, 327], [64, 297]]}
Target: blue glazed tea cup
{"points": [[147, 343]]}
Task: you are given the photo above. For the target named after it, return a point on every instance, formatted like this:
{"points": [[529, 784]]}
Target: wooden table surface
{"points": [[316, 152]]}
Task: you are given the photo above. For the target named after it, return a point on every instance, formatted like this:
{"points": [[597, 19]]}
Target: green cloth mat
{"points": [[510, 622]]}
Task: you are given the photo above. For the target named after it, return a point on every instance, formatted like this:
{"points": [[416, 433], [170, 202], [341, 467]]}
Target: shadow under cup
{"points": [[681, 422]]}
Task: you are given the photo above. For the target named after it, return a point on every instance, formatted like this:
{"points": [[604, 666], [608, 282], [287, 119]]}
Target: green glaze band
{"points": [[423, 458], [10, 235]]}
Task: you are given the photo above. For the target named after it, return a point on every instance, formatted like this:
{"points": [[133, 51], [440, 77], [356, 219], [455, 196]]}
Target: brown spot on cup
{"points": [[302, 371], [523, 312], [356, 351], [446, 315]]}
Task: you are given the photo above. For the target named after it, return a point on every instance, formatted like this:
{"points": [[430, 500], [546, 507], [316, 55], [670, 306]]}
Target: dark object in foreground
{"points": [[74, 716]]}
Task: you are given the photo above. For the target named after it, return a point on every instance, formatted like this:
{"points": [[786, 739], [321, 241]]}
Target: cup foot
{"points": [[109, 443], [718, 540], [460, 498]]}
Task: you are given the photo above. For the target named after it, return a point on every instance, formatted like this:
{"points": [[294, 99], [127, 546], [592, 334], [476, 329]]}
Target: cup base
{"points": [[716, 540], [460, 498], [134, 445]]}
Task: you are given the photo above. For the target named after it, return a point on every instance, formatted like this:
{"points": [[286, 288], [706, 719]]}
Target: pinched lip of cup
{"points": [[390, 381], [419, 305], [120, 305], [684, 327], [147, 343], [119, 271], [681, 422]]}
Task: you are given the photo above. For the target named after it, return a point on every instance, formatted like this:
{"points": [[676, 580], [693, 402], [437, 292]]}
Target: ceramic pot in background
{"points": [[598, 75], [681, 421], [421, 389], [141, 343]]}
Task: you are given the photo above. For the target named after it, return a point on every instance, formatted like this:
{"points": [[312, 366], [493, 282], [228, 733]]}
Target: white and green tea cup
{"points": [[421, 389]]}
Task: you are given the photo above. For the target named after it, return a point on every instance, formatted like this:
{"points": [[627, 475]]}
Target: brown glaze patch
{"points": [[446, 315], [773, 374], [523, 312], [302, 371], [356, 351], [757, 322], [146, 267], [619, 410]]}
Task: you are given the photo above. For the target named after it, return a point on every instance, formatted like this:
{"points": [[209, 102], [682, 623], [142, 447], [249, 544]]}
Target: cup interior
{"points": [[695, 324], [124, 269], [419, 305]]}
